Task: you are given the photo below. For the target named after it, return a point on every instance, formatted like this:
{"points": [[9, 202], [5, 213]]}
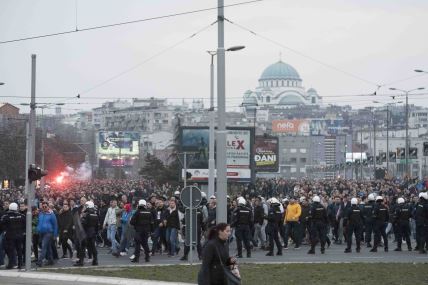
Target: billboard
{"points": [[306, 127], [353, 156], [195, 141], [266, 154], [294, 127], [117, 148]]}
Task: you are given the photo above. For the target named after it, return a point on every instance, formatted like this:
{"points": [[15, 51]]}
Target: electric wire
{"points": [[127, 22]]}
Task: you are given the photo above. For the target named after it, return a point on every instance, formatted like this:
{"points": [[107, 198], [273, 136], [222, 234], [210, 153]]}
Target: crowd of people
{"points": [[124, 215]]}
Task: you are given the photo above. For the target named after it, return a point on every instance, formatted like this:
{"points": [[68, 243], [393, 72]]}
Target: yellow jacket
{"points": [[292, 213]]}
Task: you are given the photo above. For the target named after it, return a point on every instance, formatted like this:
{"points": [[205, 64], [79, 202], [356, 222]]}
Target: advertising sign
{"points": [[266, 154], [392, 156], [296, 127], [117, 149], [195, 141], [118, 143], [352, 157]]}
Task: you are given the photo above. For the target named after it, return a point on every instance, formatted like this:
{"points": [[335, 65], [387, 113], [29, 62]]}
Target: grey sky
{"points": [[380, 41]]}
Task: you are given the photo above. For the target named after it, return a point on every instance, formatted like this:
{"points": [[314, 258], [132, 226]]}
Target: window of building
{"points": [[303, 170], [284, 150], [313, 100], [303, 159], [293, 150], [293, 159], [268, 99], [303, 150], [293, 169]]}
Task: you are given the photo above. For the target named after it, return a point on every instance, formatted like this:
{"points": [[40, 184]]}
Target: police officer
{"points": [[368, 219], [274, 224], [142, 221], [90, 222], [318, 224], [13, 225], [381, 218], [354, 217], [199, 229], [241, 219], [421, 219], [401, 221]]}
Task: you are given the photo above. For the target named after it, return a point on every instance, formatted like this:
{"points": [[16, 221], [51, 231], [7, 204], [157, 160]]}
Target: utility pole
{"points": [[42, 180], [387, 139], [211, 160], [374, 145], [221, 210], [31, 160]]}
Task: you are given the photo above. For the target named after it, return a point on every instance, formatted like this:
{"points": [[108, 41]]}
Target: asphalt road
{"points": [[31, 281], [333, 254]]}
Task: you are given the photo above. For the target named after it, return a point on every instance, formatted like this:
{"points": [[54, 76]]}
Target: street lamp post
{"points": [[211, 159], [406, 150]]}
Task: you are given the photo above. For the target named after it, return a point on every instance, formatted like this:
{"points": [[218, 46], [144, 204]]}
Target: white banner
{"points": [[238, 150]]}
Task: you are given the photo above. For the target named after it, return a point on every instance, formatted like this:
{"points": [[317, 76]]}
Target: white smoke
{"points": [[82, 173]]}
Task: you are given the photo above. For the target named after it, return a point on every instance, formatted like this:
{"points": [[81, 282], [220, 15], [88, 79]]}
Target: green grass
{"points": [[272, 274]]}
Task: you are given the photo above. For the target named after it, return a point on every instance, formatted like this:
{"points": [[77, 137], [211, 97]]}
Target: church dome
{"points": [[280, 70]]}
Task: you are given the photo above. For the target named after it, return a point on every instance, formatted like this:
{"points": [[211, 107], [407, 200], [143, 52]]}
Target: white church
{"points": [[280, 86]]}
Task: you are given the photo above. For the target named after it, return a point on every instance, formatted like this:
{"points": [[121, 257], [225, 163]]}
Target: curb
{"points": [[83, 278]]}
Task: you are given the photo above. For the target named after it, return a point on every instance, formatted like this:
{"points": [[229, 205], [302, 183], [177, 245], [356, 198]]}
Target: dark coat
{"points": [[65, 223], [211, 272]]}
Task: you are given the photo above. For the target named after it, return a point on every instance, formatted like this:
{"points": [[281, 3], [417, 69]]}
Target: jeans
{"points": [[171, 239], [46, 247], [260, 234], [111, 236], [2, 249], [124, 241]]}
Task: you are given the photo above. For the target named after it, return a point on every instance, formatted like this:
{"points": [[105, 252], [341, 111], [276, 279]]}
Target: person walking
{"points": [[215, 255], [318, 224], [402, 223], [47, 228], [292, 216], [274, 218], [381, 218], [172, 223], [13, 225], [90, 222], [142, 221], [110, 223], [241, 219], [354, 219], [65, 224]]}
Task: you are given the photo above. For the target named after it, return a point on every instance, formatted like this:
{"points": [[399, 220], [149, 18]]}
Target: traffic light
{"points": [[35, 173]]}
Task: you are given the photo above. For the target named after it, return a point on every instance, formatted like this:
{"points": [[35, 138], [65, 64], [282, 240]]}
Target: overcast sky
{"points": [[378, 41]]}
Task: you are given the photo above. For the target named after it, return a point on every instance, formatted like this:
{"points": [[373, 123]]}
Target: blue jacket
{"points": [[47, 223]]}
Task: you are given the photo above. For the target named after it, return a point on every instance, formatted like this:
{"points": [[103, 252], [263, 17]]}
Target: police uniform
{"points": [[142, 221], [381, 218], [242, 218], [354, 217], [272, 228], [402, 215], [318, 225], [13, 225], [90, 222], [368, 221], [421, 219]]}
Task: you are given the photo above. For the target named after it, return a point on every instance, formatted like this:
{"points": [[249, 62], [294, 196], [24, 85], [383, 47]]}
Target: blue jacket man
{"points": [[47, 228]]}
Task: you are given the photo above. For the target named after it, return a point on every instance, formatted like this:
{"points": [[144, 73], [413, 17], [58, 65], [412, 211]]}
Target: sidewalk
{"points": [[83, 278]]}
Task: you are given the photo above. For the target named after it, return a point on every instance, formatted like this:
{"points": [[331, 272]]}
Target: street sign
{"points": [[190, 231], [191, 196]]}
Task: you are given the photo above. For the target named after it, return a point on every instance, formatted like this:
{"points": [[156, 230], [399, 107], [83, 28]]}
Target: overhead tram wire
{"points": [[304, 55], [146, 60], [207, 98], [77, 30]]}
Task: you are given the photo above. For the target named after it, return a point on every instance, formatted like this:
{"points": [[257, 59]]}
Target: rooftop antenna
{"points": [[280, 56]]}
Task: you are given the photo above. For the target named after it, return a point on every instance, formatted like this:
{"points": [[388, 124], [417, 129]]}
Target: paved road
{"points": [[333, 254], [31, 281]]}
